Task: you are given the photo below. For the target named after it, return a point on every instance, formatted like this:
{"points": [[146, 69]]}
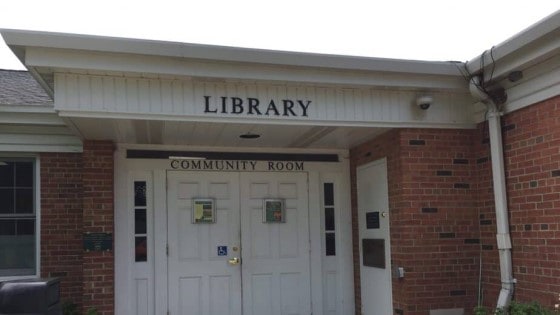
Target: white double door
{"points": [[238, 264]]}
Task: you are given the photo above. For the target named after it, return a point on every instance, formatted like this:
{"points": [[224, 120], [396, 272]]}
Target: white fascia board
{"points": [[143, 65], [25, 108], [541, 87], [21, 38], [531, 46], [30, 118], [41, 139], [40, 148], [68, 114]]}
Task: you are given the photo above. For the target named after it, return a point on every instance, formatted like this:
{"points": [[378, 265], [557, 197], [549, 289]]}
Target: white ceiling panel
{"points": [[222, 134]]}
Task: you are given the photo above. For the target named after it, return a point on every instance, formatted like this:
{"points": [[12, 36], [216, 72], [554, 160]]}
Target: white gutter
{"points": [[535, 44], [500, 194]]}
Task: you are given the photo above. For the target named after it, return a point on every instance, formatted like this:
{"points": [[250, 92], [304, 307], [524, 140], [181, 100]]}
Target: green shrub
{"points": [[531, 308], [70, 308], [92, 311]]}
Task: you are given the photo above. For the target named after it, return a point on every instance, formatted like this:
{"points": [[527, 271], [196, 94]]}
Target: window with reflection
{"points": [[329, 214], [140, 222], [18, 238]]}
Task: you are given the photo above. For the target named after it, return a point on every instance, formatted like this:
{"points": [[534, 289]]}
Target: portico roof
{"points": [[155, 92], [46, 52]]}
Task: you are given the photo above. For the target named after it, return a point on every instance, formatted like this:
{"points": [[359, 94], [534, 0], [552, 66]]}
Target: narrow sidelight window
{"points": [[329, 213], [140, 222]]}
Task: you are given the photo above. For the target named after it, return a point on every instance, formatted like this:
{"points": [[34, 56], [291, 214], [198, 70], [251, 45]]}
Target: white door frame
{"points": [[154, 172]]}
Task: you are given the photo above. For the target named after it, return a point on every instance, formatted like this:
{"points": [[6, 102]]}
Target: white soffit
{"points": [[208, 134]]}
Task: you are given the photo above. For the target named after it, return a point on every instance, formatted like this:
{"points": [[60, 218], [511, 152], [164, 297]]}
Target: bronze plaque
{"points": [[373, 252], [98, 242]]}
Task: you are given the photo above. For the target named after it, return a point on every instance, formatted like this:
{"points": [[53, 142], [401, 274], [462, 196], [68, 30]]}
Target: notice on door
{"points": [[203, 211], [372, 220]]}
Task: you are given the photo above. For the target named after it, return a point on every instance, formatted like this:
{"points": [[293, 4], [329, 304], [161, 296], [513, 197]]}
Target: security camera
{"points": [[424, 102]]}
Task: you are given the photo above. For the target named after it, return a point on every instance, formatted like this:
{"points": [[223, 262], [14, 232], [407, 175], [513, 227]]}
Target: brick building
{"points": [[156, 177]]}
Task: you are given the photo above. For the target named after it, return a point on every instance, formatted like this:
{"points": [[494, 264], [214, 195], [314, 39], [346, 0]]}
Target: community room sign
{"points": [[228, 165]]}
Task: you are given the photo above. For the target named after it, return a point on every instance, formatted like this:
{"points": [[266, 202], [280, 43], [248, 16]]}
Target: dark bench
{"points": [[30, 297]]}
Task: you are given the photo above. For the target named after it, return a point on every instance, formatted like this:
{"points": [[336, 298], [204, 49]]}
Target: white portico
{"points": [[227, 130]]}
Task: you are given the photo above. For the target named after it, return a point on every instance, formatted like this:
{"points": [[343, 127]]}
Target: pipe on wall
{"points": [[500, 193]]}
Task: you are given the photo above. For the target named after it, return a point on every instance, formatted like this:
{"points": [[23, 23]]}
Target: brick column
{"points": [[98, 267], [61, 222]]}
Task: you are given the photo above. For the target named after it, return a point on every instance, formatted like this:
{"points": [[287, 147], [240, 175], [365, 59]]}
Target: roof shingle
{"points": [[20, 88]]}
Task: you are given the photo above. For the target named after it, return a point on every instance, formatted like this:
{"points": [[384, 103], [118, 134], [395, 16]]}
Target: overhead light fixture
{"points": [[249, 135], [186, 158]]}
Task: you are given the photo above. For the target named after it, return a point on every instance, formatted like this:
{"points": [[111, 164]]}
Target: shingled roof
{"points": [[20, 88]]}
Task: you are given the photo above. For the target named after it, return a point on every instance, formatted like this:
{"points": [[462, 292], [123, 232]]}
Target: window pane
{"points": [[329, 194], [25, 227], [141, 249], [24, 174], [6, 200], [329, 219], [17, 255], [330, 244], [24, 200], [140, 194], [140, 225], [7, 175], [7, 227]]}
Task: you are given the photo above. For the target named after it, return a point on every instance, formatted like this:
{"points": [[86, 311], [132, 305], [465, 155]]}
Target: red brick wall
{"points": [[442, 210], [434, 219], [77, 197], [532, 161], [98, 203], [61, 222]]}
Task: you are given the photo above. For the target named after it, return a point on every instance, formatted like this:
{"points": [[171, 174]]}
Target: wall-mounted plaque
{"points": [[373, 252], [274, 211], [98, 242], [204, 211], [372, 220]]}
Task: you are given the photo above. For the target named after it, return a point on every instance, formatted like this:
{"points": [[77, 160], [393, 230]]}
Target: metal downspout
{"points": [[500, 195]]}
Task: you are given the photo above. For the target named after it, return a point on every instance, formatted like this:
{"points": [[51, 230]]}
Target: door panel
{"points": [[200, 281], [275, 267], [373, 197]]}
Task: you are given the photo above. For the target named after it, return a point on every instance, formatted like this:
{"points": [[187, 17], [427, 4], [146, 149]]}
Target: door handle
{"points": [[234, 261]]}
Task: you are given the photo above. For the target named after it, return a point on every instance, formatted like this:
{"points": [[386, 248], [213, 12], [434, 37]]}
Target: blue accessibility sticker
{"points": [[222, 250]]}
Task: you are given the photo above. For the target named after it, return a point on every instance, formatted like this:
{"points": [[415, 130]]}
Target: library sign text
{"points": [[254, 106]]}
